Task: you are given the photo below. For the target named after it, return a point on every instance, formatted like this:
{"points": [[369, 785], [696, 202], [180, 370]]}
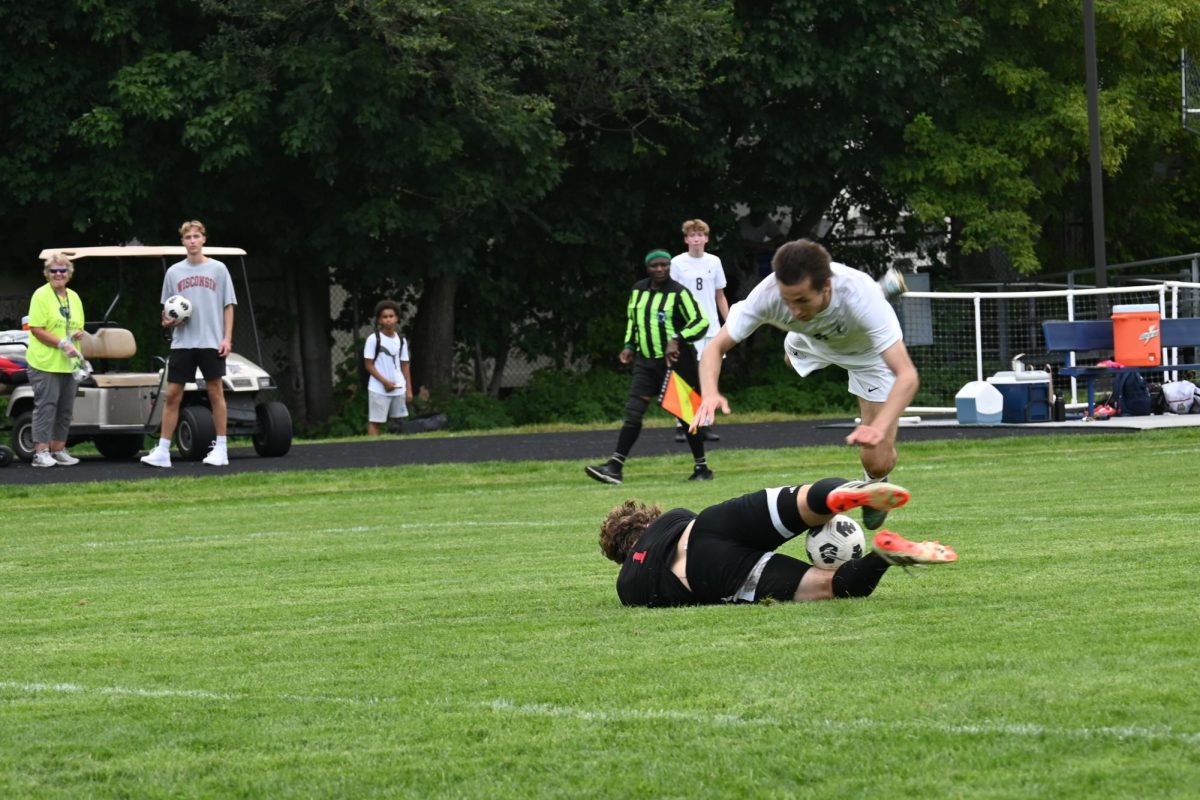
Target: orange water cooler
{"points": [[1136, 338]]}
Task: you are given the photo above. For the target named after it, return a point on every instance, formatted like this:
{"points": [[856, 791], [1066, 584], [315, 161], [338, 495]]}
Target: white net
{"points": [[956, 338]]}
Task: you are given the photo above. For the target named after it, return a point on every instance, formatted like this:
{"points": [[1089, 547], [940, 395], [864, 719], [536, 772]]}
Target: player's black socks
{"points": [[626, 438], [858, 577], [818, 494]]}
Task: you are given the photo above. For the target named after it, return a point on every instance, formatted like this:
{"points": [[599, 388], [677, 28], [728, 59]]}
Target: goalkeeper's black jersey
{"points": [[656, 316], [646, 578]]}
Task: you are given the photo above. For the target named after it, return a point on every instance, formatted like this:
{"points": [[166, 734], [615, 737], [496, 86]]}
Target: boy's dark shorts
{"points": [[184, 361]]}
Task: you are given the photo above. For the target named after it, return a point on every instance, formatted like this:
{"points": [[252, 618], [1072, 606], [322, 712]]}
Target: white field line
{"points": [[179, 694], [984, 728], [220, 537], [622, 715]]}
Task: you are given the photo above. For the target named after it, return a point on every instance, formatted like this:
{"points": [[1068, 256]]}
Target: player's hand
{"points": [[69, 351], [626, 356], [671, 351], [225, 347], [865, 436], [168, 322], [706, 414]]}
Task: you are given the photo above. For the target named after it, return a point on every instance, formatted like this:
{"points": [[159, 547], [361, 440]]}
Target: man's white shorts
{"points": [[382, 407], [873, 382]]}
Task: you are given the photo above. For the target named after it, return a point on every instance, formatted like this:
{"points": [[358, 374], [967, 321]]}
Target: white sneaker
{"points": [[158, 457], [218, 456], [42, 458], [63, 457]]}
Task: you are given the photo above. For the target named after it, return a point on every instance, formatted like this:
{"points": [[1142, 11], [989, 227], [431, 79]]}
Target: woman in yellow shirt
{"points": [[55, 324]]}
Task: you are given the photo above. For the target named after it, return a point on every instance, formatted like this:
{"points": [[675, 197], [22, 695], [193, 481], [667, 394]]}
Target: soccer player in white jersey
{"points": [[832, 314], [704, 276]]}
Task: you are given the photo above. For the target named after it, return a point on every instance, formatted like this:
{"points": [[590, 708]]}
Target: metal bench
{"points": [[1084, 335]]}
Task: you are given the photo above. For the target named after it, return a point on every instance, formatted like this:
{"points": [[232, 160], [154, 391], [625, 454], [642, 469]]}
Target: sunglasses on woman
{"points": [[54, 271]]}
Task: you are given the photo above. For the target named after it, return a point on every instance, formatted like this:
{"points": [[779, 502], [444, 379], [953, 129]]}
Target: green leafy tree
{"points": [[1004, 150]]}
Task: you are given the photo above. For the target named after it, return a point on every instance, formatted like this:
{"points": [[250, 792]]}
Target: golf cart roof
{"points": [[133, 251]]}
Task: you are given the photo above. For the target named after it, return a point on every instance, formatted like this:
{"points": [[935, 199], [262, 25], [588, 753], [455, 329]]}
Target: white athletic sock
{"points": [[164, 444], [220, 441]]}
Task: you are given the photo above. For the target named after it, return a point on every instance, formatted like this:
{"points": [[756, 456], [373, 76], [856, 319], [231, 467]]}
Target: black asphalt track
{"points": [[580, 447]]}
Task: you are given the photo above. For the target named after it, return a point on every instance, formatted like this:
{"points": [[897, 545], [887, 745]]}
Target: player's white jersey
{"points": [[857, 326], [702, 277]]}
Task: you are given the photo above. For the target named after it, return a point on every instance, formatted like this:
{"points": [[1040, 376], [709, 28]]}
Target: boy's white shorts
{"points": [[382, 407]]}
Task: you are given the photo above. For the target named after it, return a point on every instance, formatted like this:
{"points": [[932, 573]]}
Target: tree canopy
{"points": [[510, 161]]}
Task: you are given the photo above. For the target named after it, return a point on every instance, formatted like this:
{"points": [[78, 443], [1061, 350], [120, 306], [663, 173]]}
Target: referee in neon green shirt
{"points": [[661, 317]]}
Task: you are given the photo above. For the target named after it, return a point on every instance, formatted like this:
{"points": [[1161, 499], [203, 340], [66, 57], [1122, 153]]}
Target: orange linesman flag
{"points": [[678, 398]]}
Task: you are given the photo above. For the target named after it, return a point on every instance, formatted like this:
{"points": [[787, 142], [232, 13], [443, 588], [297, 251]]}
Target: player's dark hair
{"points": [[801, 260], [384, 305], [624, 526]]}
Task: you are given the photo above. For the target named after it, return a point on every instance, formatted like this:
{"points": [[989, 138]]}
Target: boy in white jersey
{"points": [[703, 276], [202, 341], [833, 314], [385, 356]]}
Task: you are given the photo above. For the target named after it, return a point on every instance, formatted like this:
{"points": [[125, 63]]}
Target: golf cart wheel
{"points": [[6, 455], [119, 446], [274, 435], [196, 432], [22, 436]]}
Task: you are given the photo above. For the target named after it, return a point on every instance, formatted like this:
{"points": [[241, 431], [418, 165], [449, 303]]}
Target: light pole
{"points": [[1093, 90]]}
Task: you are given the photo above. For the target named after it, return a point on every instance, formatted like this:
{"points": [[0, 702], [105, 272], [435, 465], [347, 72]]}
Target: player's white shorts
{"points": [[382, 407], [873, 382]]}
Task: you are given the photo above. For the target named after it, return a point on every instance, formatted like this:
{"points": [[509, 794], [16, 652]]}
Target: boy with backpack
{"points": [[385, 359]]}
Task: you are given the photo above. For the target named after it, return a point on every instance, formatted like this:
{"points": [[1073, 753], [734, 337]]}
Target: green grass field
{"points": [[453, 632]]}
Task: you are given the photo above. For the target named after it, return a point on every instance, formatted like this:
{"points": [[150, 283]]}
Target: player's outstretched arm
{"points": [[710, 378], [901, 396]]}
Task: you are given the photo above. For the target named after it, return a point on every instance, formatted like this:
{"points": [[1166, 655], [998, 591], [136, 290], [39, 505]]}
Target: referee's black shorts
{"points": [[649, 373]]}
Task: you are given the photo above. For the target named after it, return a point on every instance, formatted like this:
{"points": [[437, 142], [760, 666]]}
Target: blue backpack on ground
{"points": [[1130, 394]]}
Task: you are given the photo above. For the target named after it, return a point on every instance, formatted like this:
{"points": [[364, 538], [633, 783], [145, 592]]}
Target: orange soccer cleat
{"points": [[895, 549]]}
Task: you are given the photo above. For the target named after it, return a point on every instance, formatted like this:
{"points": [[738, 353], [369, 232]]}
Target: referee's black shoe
{"points": [[608, 472], [701, 474]]}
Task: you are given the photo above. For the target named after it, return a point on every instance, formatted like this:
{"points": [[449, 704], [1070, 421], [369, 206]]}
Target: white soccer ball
{"points": [[835, 543], [177, 308]]}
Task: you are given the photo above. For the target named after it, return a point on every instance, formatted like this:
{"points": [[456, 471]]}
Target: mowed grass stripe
{"points": [[453, 632]]}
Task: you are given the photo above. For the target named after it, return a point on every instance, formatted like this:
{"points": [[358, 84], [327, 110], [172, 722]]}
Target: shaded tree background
{"points": [[506, 164]]}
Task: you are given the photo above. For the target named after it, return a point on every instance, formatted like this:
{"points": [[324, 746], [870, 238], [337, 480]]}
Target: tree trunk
{"points": [[292, 377], [433, 335], [312, 297]]}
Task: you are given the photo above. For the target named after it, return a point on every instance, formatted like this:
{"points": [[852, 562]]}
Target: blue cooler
{"points": [[1026, 395]]}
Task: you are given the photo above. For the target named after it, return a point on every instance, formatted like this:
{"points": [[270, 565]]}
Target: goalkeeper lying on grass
{"points": [[726, 553]]}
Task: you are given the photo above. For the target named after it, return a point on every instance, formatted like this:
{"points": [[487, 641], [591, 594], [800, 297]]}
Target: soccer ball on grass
{"points": [[835, 543], [177, 308]]}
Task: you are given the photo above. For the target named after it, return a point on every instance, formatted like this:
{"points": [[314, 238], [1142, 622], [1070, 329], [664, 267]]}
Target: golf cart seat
{"points": [[108, 344]]}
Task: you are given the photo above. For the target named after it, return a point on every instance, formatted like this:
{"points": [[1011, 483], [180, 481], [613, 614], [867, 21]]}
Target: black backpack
{"points": [[1130, 395], [364, 377]]}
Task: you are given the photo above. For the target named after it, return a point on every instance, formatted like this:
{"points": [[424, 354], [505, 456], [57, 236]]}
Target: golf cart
{"points": [[115, 408]]}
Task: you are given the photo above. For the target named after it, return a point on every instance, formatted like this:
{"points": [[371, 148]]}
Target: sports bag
{"points": [[1130, 395], [1179, 396]]}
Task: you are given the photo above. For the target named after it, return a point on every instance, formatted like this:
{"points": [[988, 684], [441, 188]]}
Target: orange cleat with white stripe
{"points": [[895, 549], [859, 494]]}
